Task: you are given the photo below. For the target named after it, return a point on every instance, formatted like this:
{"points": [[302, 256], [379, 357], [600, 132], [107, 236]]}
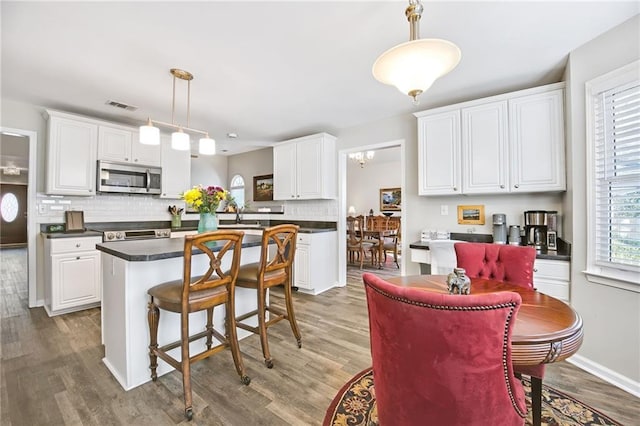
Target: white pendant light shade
{"points": [[180, 141], [413, 66], [149, 135], [207, 146]]}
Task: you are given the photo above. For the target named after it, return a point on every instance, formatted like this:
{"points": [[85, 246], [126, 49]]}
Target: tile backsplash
{"points": [[127, 208]]}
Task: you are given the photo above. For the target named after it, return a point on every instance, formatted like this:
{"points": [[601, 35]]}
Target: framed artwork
{"points": [[263, 188], [471, 215], [390, 199]]}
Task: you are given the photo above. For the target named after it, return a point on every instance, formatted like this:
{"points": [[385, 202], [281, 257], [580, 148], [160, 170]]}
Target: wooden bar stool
{"points": [[270, 273], [193, 294]]}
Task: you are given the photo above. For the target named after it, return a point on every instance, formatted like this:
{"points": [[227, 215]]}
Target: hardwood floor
{"points": [[52, 373]]}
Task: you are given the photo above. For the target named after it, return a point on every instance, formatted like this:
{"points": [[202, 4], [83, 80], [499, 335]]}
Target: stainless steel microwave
{"points": [[128, 178]]}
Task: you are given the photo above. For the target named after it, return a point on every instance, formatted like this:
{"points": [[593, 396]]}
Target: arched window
{"points": [[237, 190]]}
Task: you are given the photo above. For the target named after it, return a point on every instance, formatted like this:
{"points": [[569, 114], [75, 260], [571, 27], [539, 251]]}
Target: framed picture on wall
{"points": [[263, 188], [471, 215], [390, 199]]}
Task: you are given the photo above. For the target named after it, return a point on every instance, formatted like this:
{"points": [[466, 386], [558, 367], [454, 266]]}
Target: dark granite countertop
{"points": [[158, 249], [563, 252]]}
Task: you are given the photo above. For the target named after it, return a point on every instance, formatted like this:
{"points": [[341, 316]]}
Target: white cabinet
{"points": [[71, 155], [504, 144], [117, 143], [305, 168], [439, 171], [315, 264], [73, 274], [552, 277], [536, 124], [176, 170], [485, 154]]}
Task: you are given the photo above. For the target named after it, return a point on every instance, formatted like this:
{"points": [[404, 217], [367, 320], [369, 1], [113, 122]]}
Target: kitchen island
{"points": [[129, 269]]}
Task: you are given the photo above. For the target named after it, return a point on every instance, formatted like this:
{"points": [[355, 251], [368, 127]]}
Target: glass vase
{"points": [[176, 221], [208, 222]]}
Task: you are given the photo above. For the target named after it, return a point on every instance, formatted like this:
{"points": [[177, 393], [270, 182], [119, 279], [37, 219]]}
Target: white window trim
{"points": [[623, 279]]}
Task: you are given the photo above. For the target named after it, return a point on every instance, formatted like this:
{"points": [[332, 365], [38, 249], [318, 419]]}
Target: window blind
{"points": [[617, 177]]}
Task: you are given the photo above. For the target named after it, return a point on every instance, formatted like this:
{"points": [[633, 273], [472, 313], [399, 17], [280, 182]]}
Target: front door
{"points": [[13, 215]]}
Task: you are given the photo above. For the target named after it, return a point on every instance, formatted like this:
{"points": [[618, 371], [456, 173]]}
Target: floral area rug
{"points": [[355, 405]]}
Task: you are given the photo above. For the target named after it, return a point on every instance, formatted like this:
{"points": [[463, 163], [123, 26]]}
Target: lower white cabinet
{"points": [[73, 274], [552, 277], [315, 265]]}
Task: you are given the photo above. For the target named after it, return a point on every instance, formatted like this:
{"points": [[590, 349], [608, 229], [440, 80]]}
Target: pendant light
{"points": [[180, 140], [413, 66]]}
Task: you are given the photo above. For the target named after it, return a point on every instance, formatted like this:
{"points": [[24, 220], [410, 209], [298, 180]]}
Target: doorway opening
{"points": [[18, 200], [343, 203]]}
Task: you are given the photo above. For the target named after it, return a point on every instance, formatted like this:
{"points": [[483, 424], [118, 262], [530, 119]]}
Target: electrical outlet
{"points": [[444, 210]]}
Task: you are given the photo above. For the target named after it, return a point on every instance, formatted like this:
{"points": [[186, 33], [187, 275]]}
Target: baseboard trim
{"points": [[606, 374]]}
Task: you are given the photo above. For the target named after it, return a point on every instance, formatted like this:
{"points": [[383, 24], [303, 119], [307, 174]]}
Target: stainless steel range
{"points": [[138, 234]]}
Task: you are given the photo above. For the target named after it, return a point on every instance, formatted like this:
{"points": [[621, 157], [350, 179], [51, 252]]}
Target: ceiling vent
{"points": [[120, 105]]}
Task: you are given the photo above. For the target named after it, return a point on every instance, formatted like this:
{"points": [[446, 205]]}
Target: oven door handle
{"points": [[148, 180]]}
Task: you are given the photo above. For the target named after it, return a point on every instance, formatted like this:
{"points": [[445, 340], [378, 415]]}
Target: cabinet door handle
{"points": [[535, 269], [516, 186], [501, 186], [78, 245], [77, 257], [135, 159], [126, 159], [455, 188]]}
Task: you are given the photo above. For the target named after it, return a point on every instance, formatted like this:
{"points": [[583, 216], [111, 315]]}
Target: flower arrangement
{"points": [[205, 200]]}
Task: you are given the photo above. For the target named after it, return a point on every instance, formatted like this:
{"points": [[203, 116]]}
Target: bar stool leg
{"points": [[262, 326], [291, 316], [153, 316]]}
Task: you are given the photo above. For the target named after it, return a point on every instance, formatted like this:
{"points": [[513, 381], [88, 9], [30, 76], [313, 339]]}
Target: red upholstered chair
{"points": [[499, 262], [513, 264], [443, 359]]}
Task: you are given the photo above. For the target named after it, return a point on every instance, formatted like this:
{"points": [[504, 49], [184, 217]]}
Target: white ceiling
{"points": [[270, 71]]}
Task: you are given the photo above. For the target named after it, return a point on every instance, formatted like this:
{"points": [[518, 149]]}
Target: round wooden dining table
{"points": [[546, 329]]}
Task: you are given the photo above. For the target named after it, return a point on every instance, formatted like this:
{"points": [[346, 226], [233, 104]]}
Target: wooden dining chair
{"points": [[513, 264], [390, 244], [267, 273], [357, 246], [193, 294], [443, 359]]}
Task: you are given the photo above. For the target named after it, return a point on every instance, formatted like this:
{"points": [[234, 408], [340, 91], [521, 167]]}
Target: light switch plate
{"points": [[444, 210]]}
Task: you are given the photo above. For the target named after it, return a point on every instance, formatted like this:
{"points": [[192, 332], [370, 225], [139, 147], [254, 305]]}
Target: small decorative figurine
{"points": [[458, 282]]}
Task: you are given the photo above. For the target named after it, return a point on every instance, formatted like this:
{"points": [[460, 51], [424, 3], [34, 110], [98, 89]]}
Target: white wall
{"points": [[611, 316], [248, 165], [364, 183]]}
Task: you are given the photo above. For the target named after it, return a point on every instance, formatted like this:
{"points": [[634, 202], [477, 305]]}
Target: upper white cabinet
{"points": [[485, 153], [176, 170], [439, 152], [504, 144], [121, 144], [72, 146], [536, 124], [305, 168]]}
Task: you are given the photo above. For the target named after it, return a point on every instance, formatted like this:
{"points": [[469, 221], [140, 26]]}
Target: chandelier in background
{"points": [[362, 157], [150, 135], [413, 66]]}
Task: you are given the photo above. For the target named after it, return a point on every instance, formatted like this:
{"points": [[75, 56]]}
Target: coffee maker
{"points": [[535, 228]]}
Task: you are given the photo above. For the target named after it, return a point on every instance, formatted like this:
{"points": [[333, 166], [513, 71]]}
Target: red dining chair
{"points": [[443, 358], [513, 264]]}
